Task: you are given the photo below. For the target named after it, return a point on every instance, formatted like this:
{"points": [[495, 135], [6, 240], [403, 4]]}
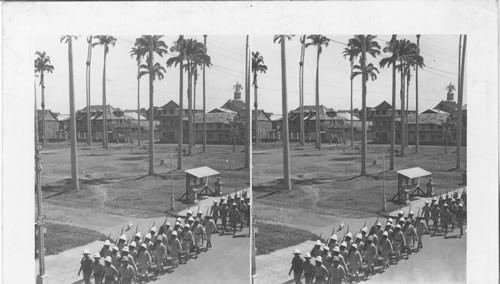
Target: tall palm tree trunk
{"points": [[139, 136], [104, 111], [195, 81], [89, 122], [286, 147], [393, 117], [417, 132], [301, 91], [190, 110], [403, 116], [181, 115], [363, 105], [151, 114], [256, 114], [460, 101], [42, 83], [407, 140], [248, 110], [318, 119], [74, 156], [352, 126], [204, 103]]}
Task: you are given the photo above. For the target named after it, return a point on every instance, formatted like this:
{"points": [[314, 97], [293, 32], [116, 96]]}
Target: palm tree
{"points": [[151, 45], [204, 103], [106, 41], [235, 125], [351, 78], [392, 47], [319, 41], [301, 89], [74, 155], [257, 66], [414, 61], [287, 182], [179, 47], [248, 109], [139, 55], [42, 66], [417, 134], [359, 46], [89, 123]]}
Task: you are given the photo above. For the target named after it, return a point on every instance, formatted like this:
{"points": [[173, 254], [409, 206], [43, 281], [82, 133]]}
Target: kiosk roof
{"points": [[414, 172], [202, 172]]}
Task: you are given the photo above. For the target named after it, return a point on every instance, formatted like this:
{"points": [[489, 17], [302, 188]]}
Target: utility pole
{"points": [[172, 198], [383, 182], [40, 220], [248, 112], [204, 101], [417, 138]]}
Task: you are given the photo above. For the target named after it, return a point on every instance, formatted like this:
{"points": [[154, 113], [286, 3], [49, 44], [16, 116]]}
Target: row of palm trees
{"points": [[189, 55], [404, 57]]}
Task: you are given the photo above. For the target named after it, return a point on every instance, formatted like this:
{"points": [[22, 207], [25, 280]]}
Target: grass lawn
{"points": [[115, 181], [62, 237], [328, 181], [273, 237]]}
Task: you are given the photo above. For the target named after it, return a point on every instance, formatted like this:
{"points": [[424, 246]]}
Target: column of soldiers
{"points": [[137, 259], [354, 259]]}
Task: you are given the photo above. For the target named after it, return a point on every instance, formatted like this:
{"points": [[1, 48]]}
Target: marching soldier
{"points": [[410, 235], [461, 215], [297, 266], [343, 250], [308, 269], [152, 232], [234, 217], [126, 272], [463, 197], [200, 217], [400, 214], [189, 213], [411, 218], [399, 241], [445, 218], [320, 272], [325, 256], [435, 215], [224, 211], [371, 255], [316, 250], [175, 249], [375, 238], [122, 241], [187, 240], [131, 262], [247, 215], [144, 260], [386, 248], [348, 240], [110, 271], [332, 242], [355, 261], [86, 266], [364, 234], [243, 212], [133, 251], [337, 272], [147, 241], [115, 257], [137, 238], [210, 228], [97, 269], [453, 210], [199, 235], [106, 250], [161, 255], [421, 230], [426, 212], [336, 252], [361, 246], [215, 211]]}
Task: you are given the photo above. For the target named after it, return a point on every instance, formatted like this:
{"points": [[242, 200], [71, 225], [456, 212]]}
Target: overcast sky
{"points": [[228, 57]]}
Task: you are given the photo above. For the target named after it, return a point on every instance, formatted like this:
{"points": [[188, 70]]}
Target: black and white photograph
{"points": [[262, 142]]}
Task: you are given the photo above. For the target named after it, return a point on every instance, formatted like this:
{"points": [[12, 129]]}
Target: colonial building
{"points": [[51, 125], [380, 118], [326, 116], [265, 125], [433, 129], [169, 122]]}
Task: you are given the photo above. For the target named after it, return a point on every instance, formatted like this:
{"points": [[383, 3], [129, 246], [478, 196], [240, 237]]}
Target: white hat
{"points": [[402, 219], [365, 229], [389, 224], [307, 255], [107, 259], [97, 255], [319, 259], [132, 244], [190, 219], [178, 223], [379, 224], [234, 204], [354, 246], [427, 202], [153, 229], [115, 248], [295, 251], [411, 213], [460, 204], [343, 244], [398, 226], [349, 235], [249, 204], [401, 212], [318, 243], [178, 219], [445, 205], [197, 219], [389, 220], [336, 249], [167, 224], [147, 236], [385, 233], [200, 213], [325, 248], [189, 212], [123, 237], [85, 251], [125, 249], [333, 237], [370, 238], [107, 243], [174, 233], [144, 245], [359, 236], [187, 226]]}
